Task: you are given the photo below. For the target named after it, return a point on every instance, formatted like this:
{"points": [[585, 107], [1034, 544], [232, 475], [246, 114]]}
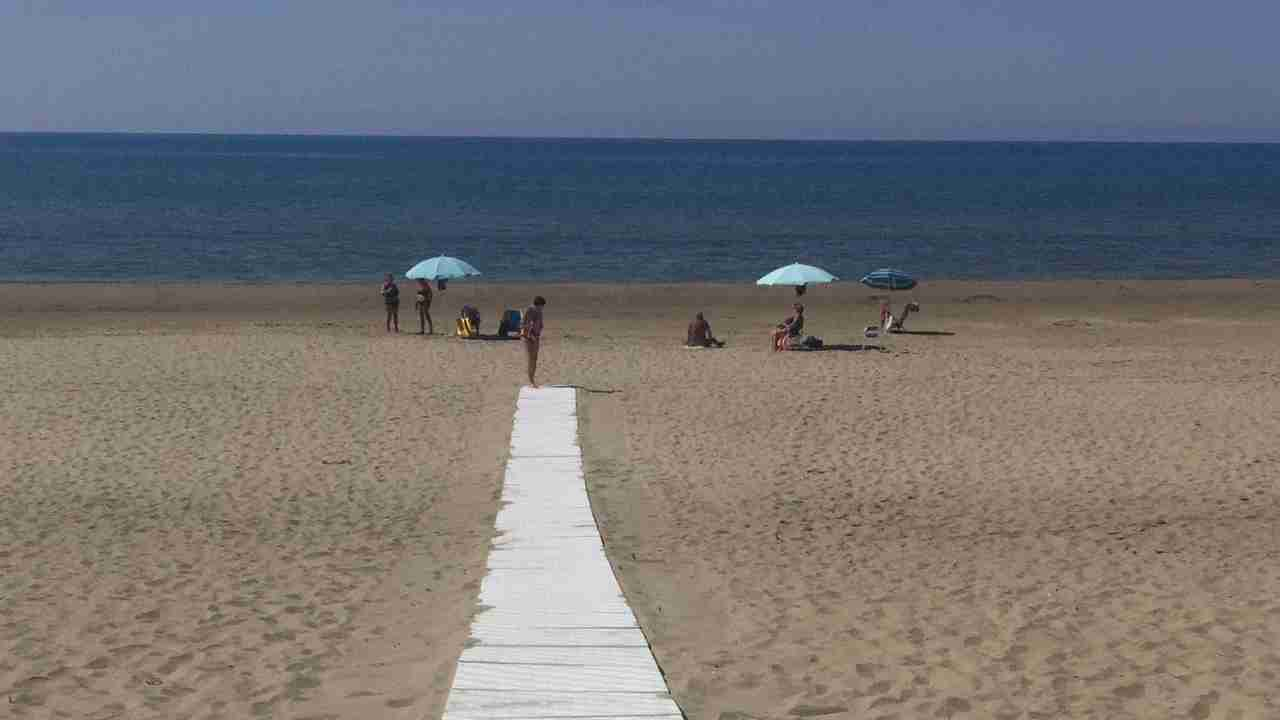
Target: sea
{"points": [[164, 207]]}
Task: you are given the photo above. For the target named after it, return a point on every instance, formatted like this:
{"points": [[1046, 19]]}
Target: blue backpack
{"points": [[510, 322]]}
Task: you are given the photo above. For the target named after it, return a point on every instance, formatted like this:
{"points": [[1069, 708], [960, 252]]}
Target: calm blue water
{"points": [[124, 207]]}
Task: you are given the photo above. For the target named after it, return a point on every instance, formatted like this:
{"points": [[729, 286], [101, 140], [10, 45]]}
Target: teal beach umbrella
{"points": [[888, 279], [441, 268], [797, 274]]}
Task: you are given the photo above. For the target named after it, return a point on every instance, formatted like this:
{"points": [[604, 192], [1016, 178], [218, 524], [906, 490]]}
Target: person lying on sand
{"points": [[700, 334], [789, 328]]}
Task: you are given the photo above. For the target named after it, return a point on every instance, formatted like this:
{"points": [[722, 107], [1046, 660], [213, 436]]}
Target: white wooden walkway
{"points": [[554, 637]]}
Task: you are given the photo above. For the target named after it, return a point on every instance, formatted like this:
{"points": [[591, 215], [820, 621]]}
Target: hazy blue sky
{"points": [[909, 69]]}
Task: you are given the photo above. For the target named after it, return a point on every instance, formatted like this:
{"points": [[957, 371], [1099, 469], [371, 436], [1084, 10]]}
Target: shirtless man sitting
{"points": [[789, 329], [700, 334]]}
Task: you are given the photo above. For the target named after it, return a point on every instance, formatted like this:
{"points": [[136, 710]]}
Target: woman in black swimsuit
{"points": [[391, 298]]}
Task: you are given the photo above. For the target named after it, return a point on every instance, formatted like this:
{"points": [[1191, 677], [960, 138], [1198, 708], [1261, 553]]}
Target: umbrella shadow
{"points": [[844, 347], [858, 347]]}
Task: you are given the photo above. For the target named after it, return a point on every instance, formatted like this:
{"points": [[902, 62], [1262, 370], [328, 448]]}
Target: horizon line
{"points": [[641, 138]]}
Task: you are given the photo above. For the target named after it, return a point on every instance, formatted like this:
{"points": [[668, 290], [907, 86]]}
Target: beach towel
{"points": [[809, 343]]}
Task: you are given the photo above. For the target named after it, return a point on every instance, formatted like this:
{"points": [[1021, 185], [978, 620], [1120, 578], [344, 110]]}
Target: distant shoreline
{"points": [[600, 299], [377, 279], [639, 139]]}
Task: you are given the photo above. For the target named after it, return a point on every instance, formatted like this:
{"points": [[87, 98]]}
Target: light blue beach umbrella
{"points": [[887, 279], [441, 268], [796, 274]]}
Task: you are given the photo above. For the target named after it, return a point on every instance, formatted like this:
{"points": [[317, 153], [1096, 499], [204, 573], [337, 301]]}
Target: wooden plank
{"points": [[567, 703], [570, 657], [582, 678]]}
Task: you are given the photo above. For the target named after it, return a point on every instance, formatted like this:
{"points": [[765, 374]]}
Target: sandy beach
{"points": [[1055, 500]]}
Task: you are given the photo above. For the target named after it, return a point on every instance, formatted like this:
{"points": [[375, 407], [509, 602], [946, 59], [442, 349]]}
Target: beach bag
{"points": [[510, 322]]}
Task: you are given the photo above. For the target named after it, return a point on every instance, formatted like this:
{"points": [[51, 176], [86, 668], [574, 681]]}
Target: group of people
{"points": [[422, 303], [784, 335], [530, 322]]}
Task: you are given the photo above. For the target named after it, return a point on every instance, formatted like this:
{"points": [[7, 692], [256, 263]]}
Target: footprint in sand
{"points": [[817, 710], [173, 663]]}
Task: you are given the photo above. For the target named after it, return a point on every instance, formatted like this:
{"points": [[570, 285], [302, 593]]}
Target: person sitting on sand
{"points": [[469, 321], [700, 334], [423, 305], [896, 324], [789, 329], [391, 298]]}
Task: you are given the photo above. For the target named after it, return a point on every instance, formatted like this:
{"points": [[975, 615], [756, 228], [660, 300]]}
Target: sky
{"points": [[1144, 70]]}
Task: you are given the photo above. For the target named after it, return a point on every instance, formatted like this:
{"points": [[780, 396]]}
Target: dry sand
{"points": [[249, 500]]}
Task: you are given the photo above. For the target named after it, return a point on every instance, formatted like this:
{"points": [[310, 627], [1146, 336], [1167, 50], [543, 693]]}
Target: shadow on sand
{"points": [[599, 391], [943, 333], [841, 347]]}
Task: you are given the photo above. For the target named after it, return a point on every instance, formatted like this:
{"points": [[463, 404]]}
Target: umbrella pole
{"points": [[888, 322]]}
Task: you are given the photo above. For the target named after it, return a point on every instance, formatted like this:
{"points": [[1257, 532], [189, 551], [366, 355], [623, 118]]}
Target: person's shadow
{"points": [[921, 332], [601, 391]]}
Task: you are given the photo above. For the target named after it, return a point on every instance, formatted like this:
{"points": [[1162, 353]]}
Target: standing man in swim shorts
{"points": [[531, 335]]}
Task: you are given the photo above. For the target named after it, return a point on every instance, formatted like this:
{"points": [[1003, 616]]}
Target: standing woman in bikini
{"points": [[391, 298], [531, 335], [423, 305]]}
